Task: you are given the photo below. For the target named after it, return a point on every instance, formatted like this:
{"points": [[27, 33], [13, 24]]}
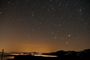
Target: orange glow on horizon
{"points": [[34, 46], [28, 47]]}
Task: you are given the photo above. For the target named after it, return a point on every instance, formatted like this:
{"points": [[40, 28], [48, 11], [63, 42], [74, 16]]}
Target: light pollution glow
{"points": [[36, 47]]}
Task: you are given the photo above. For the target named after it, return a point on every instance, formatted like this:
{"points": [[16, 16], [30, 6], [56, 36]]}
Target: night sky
{"points": [[44, 25]]}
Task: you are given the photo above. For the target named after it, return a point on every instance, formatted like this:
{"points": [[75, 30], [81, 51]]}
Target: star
{"points": [[66, 42], [59, 25], [33, 29], [55, 37], [1, 13], [50, 0], [52, 33], [80, 10], [69, 35], [9, 2], [33, 14], [39, 28], [40, 23]]}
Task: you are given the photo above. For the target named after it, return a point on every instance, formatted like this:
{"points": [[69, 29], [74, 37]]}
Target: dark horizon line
{"points": [[3, 50]]}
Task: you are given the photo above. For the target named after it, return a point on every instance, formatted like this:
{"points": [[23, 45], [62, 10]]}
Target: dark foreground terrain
{"points": [[61, 55]]}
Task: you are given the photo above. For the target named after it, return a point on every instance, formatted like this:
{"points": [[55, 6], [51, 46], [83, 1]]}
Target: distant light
{"points": [[11, 57], [46, 55]]}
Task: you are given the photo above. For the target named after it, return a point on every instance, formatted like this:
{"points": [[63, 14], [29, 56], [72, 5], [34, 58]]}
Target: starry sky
{"points": [[44, 25]]}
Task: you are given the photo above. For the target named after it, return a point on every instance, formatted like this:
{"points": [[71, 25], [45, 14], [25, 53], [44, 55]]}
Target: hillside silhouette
{"points": [[61, 55]]}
